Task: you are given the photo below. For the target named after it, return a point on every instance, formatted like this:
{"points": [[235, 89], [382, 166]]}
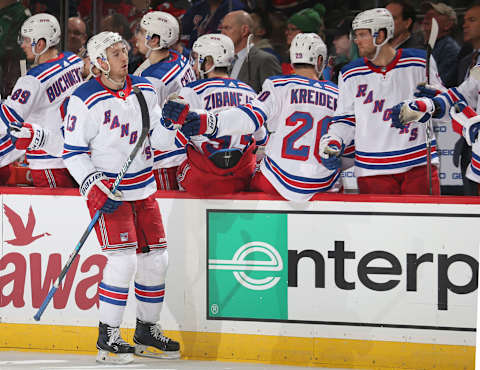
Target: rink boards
{"points": [[349, 281]]}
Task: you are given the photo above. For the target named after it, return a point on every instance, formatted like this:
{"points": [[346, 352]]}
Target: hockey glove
{"points": [[200, 122], [331, 148], [26, 135], [426, 91], [465, 121], [97, 189], [418, 110], [174, 112]]}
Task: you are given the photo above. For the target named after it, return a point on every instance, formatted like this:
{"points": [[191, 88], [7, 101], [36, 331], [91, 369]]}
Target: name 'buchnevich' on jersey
{"points": [[65, 81], [311, 96], [226, 99]]}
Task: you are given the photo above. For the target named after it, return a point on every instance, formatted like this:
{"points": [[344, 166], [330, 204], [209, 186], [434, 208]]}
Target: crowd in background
{"points": [[275, 23]]}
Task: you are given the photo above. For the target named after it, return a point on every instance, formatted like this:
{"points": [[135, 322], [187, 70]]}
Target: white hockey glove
{"points": [[27, 135], [97, 189], [417, 110], [331, 148], [465, 121]]}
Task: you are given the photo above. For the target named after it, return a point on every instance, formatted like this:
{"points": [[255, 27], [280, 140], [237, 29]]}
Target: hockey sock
{"points": [[113, 290], [150, 284]]}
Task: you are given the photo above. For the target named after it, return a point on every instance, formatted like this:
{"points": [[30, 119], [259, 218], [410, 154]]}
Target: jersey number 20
{"points": [[305, 124]]}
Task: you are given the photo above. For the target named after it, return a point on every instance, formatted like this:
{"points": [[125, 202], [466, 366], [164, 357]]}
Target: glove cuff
{"points": [[38, 139], [208, 123], [90, 181], [439, 107], [211, 124], [426, 105]]}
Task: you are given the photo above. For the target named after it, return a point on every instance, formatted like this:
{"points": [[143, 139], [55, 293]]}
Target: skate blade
{"points": [[105, 357], [145, 351]]}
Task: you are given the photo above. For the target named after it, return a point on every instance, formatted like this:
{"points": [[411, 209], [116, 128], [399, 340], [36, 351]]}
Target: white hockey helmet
{"points": [[162, 24], [375, 20], [219, 47], [41, 26], [97, 47], [306, 48]]}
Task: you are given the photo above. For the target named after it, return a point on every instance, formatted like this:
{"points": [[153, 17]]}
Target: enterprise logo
{"points": [[240, 263]]}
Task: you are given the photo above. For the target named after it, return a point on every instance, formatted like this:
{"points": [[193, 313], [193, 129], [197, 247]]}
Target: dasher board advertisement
{"points": [[371, 269]]}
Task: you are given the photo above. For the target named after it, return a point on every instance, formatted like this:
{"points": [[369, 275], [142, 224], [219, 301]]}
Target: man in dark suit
{"points": [[404, 16], [471, 34], [251, 65]]}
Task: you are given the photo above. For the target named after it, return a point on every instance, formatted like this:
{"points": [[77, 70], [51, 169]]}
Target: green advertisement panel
{"points": [[247, 265]]}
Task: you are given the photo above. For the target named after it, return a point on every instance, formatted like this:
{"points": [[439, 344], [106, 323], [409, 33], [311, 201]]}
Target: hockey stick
{"points": [[428, 127], [121, 174]]}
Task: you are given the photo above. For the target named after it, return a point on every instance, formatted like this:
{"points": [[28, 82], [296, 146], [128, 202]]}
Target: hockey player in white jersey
{"points": [[388, 160], [461, 103], [32, 110], [102, 125], [294, 109], [168, 71], [220, 164]]}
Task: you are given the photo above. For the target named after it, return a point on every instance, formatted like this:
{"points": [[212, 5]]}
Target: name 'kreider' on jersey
{"points": [[295, 110]]}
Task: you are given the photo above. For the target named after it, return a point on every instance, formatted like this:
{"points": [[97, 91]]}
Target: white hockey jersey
{"points": [[367, 94], [294, 109], [102, 127], [168, 77], [468, 91], [214, 95], [37, 97]]}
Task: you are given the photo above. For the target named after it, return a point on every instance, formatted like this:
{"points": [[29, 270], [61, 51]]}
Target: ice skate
{"points": [[150, 342], [111, 347]]}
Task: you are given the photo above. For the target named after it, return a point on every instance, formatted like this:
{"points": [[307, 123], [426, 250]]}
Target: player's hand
{"points": [[424, 90], [331, 148], [26, 135], [200, 122], [418, 110], [174, 112], [97, 189], [465, 121]]}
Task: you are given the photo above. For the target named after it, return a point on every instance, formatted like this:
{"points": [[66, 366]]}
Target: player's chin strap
{"points": [[320, 70], [37, 55], [149, 48], [90, 73], [377, 47], [203, 74], [118, 84]]}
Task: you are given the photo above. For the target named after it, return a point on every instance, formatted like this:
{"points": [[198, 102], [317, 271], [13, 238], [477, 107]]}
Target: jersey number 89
{"points": [[21, 95]]}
